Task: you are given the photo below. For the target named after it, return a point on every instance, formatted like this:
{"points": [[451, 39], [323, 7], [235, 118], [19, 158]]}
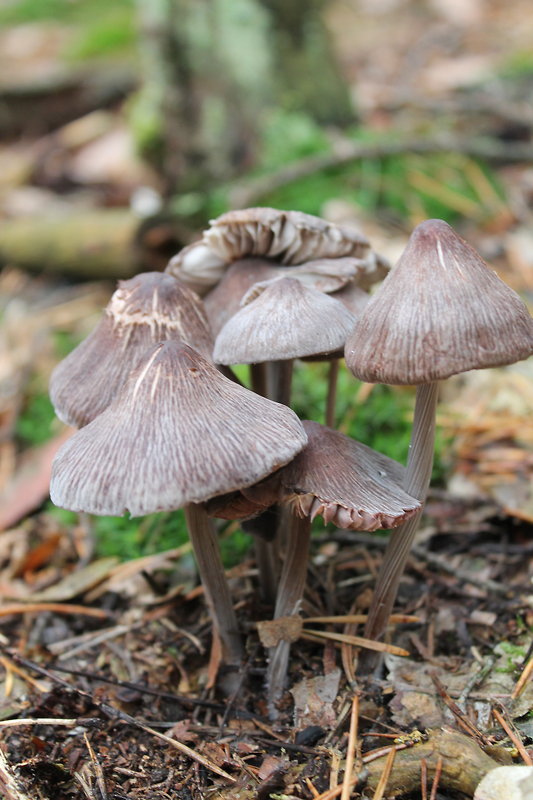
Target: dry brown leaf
{"points": [[283, 629]]}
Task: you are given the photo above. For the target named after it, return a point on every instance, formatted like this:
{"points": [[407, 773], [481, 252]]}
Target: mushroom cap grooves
{"points": [[286, 320], [346, 482], [150, 308], [177, 433], [440, 311]]}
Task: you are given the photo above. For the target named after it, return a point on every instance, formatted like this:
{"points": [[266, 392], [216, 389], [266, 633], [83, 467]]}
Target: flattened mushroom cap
{"points": [[178, 432], [289, 237], [440, 311], [147, 309], [287, 320], [346, 482]]}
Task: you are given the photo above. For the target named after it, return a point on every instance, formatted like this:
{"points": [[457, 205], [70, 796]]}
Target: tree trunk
{"points": [[214, 70]]}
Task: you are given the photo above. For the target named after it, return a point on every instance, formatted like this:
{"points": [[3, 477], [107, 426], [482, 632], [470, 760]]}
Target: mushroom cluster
{"points": [[161, 427]]}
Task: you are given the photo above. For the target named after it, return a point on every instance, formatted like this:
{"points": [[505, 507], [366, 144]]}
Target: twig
{"points": [[385, 775], [9, 666], [526, 674], [369, 644], [98, 771], [242, 196], [461, 718], [476, 678], [57, 608], [15, 723], [513, 735], [350, 752], [361, 618], [424, 778], [436, 779]]}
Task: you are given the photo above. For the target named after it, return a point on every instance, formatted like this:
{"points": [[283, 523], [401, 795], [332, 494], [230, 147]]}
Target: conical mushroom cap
{"points": [[177, 433], [440, 311], [147, 309], [346, 482], [287, 320]]}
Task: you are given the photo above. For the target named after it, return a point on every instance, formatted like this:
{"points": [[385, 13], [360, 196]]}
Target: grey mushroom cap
{"points": [[346, 483], [147, 309], [224, 300], [440, 311], [288, 237], [177, 433], [286, 320]]}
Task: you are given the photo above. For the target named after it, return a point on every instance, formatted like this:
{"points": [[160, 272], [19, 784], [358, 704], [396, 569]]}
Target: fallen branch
{"points": [[249, 194]]}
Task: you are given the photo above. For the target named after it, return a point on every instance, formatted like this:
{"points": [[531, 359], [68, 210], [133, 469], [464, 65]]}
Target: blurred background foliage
{"points": [[397, 191]]}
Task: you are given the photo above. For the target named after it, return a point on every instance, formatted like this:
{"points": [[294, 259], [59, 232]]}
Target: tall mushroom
{"points": [[177, 434], [440, 311]]}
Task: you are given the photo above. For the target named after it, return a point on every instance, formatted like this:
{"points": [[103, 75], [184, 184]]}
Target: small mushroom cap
{"points": [[346, 482], [287, 320], [325, 275], [248, 502], [440, 311], [147, 309], [177, 433]]}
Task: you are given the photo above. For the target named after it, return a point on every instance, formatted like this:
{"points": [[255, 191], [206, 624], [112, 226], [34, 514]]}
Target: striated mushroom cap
{"points": [[346, 482], [440, 311], [177, 433], [286, 320], [149, 308], [289, 237], [326, 275]]}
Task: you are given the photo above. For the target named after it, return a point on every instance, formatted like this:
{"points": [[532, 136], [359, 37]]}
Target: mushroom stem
{"points": [[205, 545], [290, 593], [258, 378], [267, 567], [280, 381], [333, 374], [418, 475]]}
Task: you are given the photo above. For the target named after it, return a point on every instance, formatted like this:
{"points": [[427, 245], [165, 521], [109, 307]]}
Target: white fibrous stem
{"points": [[417, 478], [217, 594]]}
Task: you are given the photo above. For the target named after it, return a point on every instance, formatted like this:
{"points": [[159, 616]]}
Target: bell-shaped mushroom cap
{"points": [[177, 433], [289, 237], [287, 320], [346, 482], [147, 309], [224, 299], [326, 274], [440, 311]]}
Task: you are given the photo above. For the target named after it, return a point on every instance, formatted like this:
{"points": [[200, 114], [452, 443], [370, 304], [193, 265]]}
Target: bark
{"points": [[213, 72]]}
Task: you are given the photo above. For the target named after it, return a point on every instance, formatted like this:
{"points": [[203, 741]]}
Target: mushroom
{"points": [[345, 482], [177, 434], [289, 237], [149, 308], [282, 321], [440, 311]]}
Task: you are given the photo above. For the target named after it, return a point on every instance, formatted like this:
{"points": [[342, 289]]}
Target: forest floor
{"points": [[109, 667]]}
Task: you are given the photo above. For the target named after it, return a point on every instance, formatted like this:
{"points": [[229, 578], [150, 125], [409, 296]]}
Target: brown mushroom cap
{"points": [[287, 320], [149, 308], [346, 482], [177, 433], [440, 311]]}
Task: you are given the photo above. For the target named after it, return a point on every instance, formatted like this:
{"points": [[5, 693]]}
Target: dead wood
{"points": [[251, 192], [92, 244]]}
